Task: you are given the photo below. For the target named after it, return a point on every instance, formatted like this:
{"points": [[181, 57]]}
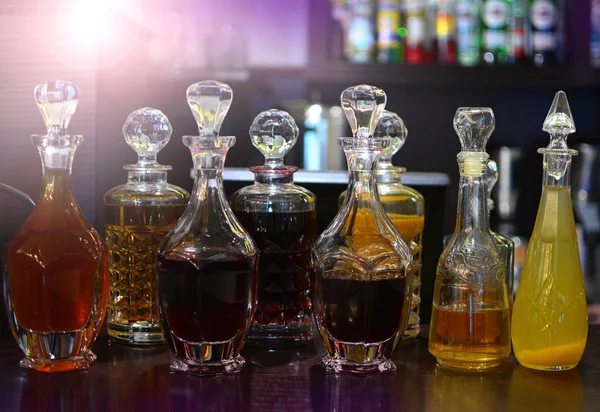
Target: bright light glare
{"points": [[89, 24]]}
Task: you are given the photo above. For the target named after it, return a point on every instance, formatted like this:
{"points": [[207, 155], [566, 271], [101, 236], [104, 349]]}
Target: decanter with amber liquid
{"points": [[281, 218], [56, 285], [362, 288], [137, 217], [550, 317], [470, 326], [207, 265], [404, 206]]}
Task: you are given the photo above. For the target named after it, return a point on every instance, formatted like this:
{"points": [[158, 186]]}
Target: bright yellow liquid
{"points": [[549, 322]]}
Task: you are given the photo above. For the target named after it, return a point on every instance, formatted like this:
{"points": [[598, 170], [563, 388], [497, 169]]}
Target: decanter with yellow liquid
{"points": [[549, 320], [137, 217], [56, 285], [470, 326], [362, 283], [404, 206]]}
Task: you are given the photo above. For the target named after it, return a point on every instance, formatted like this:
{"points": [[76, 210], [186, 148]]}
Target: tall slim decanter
{"points": [[404, 206], [207, 279], [137, 216], [470, 316], [549, 320], [281, 218], [56, 286], [362, 284]]}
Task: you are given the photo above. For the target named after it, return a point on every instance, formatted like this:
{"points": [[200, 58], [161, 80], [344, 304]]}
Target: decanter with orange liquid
{"points": [[549, 320], [137, 217], [362, 283], [404, 206], [470, 326], [56, 285]]}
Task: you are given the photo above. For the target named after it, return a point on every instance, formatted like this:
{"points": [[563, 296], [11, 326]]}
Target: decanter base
{"points": [[204, 368], [468, 366], [136, 335], [277, 337], [342, 366], [42, 365]]}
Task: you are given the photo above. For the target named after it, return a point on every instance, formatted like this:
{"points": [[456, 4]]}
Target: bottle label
{"points": [[494, 14], [388, 21], [542, 14], [543, 41], [493, 39], [416, 30], [517, 43]]}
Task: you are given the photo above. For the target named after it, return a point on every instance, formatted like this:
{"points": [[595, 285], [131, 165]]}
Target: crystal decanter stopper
{"points": [[282, 219], [390, 126], [549, 321], [137, 216], [470, 315], [362, 283], [57, 281], [207, 263]]}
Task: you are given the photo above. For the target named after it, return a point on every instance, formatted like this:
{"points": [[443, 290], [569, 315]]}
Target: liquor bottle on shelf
{"points": [[416, 37], [517, 29], [282, 219], [56, 286], [361, 39], [494, 34], [550, 321], [470, 326], [362, 284], [595, 34], [138, 215], [389, 45], [404, 206], [446, 31], [207, 280], [468, 29], [545, 19]]}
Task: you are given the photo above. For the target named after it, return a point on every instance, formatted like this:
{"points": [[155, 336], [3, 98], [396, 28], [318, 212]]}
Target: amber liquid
{"points": [[133, 235], [58, 265], [356, 311], [284, 240], [204, 301]]}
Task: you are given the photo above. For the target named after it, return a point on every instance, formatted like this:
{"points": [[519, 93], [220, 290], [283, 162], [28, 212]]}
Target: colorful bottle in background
{"points": [[517, 29], [545, 23], [389, 44], [416, 37], [445, 24], [361, 38], [595, 34], [468, 32], [494, 34]]}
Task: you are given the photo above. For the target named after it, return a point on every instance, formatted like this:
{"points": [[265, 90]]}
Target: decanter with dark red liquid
{"points": [[362, 293], [282, 219], [56, 285], [207, 279]]}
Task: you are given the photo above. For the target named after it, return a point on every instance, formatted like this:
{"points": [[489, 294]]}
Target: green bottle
{"points": [[494, 33]]}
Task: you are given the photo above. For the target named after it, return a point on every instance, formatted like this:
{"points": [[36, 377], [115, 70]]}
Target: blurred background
{"points": [[430, 56]]}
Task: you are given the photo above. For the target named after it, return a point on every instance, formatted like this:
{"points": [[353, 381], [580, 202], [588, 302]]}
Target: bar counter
{"points": [[131, 379]]}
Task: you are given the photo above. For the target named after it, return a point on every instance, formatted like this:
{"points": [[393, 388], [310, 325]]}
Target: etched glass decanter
{"points": [[281, 218], [207, 279], [56, 286], [362, 284], [137, 216], [404, 206], [470, 326], [549, 321]]}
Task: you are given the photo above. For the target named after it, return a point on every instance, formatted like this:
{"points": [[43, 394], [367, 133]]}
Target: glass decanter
{"points": [[470, 326], [505, 246], [362, 287], [281, 218], [56, 285], [404, 206], [137, 217], [549, 321], [207, 279]]}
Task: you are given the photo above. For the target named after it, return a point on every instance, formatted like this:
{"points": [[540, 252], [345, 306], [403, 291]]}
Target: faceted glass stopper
{"points": [[57, 101], [474, 126], [363, 106], [391, 126], [274, 132], [559, 122], [209, 101], [147, 131]]}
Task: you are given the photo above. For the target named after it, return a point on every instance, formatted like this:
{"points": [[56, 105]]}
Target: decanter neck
{"points": [[266, 175], [57, 152], [154, 178], [472, 212], [557, 169]]}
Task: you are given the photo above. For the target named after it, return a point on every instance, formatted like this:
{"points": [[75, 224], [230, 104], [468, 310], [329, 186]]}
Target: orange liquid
{"points": [[58, 264]]}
